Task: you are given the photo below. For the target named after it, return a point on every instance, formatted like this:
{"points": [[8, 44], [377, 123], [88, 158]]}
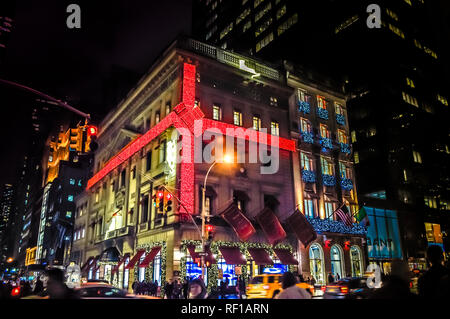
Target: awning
{"points": [[232, 256], [260, 256], [87, 263], [121, 261], [110, 254], [94, 264], [135, 259], [150, 256], [209, 258], [285, 257]]}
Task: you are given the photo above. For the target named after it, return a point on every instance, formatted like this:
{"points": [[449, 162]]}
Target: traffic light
{"points": [[75, 139], [209, 232], [168, 202], [91, 137], [160, 195]]}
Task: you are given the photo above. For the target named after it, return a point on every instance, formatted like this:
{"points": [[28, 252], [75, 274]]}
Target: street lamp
{"points": [[226, 159]]}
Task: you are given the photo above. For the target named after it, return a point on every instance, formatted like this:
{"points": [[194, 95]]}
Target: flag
{"points": [[362, 217], [240, 224], [344, 215], [271, 226], [301, 227]]}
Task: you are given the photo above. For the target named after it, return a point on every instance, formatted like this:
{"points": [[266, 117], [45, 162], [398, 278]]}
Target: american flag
{"points": [[344, 215]]}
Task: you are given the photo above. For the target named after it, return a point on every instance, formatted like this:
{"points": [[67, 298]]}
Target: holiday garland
{"points": [[308, 176], [303, 106], [345, 148], [340, 119], [308, 137], [149, 272], [322, 113], [347, 184], [328, 180]]}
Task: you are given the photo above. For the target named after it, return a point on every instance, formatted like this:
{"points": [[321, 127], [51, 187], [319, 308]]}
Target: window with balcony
{"points": [[306, 131], [322, 111], [303, 101], [309, 205], [263, 27], [327, 166]]}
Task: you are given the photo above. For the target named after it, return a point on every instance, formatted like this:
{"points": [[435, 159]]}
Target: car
{"points": [[269, 285], [102, 290], [347, 288]]}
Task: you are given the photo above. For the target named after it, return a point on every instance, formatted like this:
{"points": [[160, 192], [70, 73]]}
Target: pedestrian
{"points": [[241, 287], [337, 276], [396, 284], [56, 288], [330, 278], [168, 289], [430, 283], [223, 288], [313, 281], [185, 288], [134, 286], [155, 288], [290, 289], [38, 287], [176, 289], [197, 289]]}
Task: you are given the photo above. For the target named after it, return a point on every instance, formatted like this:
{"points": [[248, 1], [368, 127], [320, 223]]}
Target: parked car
{"points": [[102, 290], [347, 288]]}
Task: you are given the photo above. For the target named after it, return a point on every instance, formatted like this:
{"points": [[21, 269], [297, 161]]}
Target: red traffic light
{"points": [[160, 194], [209, 228], [92, 130], [168, 196]]}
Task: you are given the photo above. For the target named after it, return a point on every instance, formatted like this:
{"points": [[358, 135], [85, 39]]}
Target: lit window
{"points": [[409, 99], [68, 214], [306, 162], [261, 13], [72, 181], [263, 27], [157, 117], [327, 166], [256, 123], [408, 2], [339, 109], [281, 12], [247, 26], [392, 14], [217, 113], [83, 233], [430, 201], [273, 101], [353, 136], [442, 99], [264, 42], [237, 118], [168, 106], [309, 208], [397, 31], [342, 137], [417, 157], [226, 30], [275, 128], [321, 102], [410, 82], [287, 24], [257, 3], [70, 198], [50, 158], [243, 15], [356, 157], [305, 125], [324, 131]]}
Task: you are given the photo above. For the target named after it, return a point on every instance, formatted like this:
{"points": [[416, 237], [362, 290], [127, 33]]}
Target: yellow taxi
{"points": [[269, 285]]}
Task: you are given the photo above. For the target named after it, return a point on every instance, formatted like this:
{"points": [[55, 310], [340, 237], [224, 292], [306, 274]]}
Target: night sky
{"points": [[117, 43]]}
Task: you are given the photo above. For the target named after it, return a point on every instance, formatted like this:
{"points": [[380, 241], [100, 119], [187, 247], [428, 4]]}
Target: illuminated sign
{"points": [[242, 66], [383, 236]]}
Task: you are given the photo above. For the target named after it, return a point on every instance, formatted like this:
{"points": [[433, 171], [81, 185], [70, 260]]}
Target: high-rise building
{"points": [[6, 25], [394, 78], [6, 223]]}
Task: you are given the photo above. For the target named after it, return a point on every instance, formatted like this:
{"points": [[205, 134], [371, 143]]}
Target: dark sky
{"points": [[117, 43]]}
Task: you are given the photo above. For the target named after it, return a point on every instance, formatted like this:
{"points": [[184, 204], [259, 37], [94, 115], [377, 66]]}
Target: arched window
{"points": [[336, 262], [316, 263], [356, 262]]}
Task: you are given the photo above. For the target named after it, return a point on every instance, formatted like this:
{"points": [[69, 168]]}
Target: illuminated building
{"points": [[119, 233], [65, 176], [7, 213]]}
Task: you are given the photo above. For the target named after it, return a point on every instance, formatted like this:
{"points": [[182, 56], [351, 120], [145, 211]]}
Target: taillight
{"points": [[15, 292], [344, 290], [323, 288], [266, 287], [410, 285]]}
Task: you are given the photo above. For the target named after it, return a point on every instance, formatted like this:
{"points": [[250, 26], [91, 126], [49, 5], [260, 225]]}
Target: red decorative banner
{"points": [[302, 228], [240, 224], [271, 226]]}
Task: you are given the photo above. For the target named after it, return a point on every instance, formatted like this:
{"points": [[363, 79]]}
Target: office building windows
{"points": [[417, 157], [430, 201], [225, 31], [327, 166], [356, 157], [256, 123], [263, 11], [264, 42], [287, 24], [217, 113], [281, 12], [409, 99], [274, 128], [353, 134]]}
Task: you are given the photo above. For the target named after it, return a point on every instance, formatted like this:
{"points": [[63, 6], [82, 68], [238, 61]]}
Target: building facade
{"points": [[120, 233]]}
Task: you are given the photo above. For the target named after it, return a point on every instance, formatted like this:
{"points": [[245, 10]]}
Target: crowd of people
{"points": [[149, 288]]}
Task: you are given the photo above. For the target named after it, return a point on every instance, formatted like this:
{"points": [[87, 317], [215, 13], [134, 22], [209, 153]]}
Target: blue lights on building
{"points": [[326, 142], [304, 107], [308, 137], [347, 184], [308, 176], [328, 180], [340, 119], [322, 113], [345, 148], [336, 226]]}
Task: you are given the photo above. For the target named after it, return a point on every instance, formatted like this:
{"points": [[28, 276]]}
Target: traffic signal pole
{"points": [[58, 102]]}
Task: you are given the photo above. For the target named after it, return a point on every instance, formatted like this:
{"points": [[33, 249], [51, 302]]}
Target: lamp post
{"points": [[226, 159]]}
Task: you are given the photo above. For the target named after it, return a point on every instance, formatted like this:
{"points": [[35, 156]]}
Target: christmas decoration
{"points": [[340, 119], [149, 272], [322, 113], [304, 107], [346, 184], [328, 180], [308, 176], [326, 142], [335, 226], [308, 137], [345, 148]]}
